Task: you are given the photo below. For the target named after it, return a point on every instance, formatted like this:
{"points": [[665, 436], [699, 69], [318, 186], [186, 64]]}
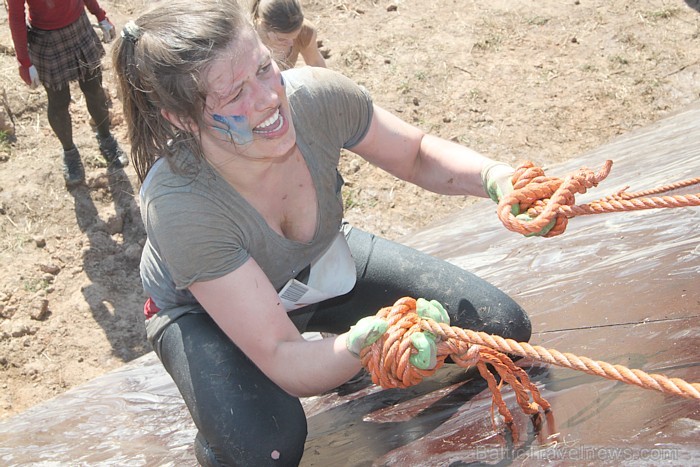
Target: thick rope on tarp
{"points": [[541, 199], [387, 360]]}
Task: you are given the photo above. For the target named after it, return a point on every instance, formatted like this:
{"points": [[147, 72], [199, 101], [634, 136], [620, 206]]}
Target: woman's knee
{"points": [[276, 441], [501, 316], [58, 100], [242, 415]]}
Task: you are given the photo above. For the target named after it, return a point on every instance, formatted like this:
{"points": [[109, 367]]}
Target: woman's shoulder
{"points": [[308, 25], [311, 89], [306, 34], [314, 78]]}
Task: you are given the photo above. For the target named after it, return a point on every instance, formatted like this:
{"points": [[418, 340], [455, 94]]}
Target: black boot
{"points": [[73, 170], [113, 154]]}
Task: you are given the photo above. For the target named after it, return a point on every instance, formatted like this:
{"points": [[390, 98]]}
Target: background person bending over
{"points": [[56, 44], [282, 27], [247, 248]]}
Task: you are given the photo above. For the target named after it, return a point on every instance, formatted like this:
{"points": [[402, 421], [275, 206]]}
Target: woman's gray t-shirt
{"points": [[199, 228]]}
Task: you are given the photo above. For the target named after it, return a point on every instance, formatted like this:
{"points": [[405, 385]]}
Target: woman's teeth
{"points": [[265, 126]]}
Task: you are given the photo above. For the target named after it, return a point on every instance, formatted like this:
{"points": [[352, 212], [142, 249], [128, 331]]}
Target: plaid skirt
{"points": [[67, 54]]}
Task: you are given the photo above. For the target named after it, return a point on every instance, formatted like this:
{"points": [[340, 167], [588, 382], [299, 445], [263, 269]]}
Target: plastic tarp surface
{"points": [[621, 287]]}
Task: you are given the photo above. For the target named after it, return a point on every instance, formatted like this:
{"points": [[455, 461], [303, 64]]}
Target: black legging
{"points": [[245, 419], [59, 114]]}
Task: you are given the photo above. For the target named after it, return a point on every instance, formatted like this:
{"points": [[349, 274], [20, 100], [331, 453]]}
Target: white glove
{"points": [[108, 31], [34, 77], [30, 76]]}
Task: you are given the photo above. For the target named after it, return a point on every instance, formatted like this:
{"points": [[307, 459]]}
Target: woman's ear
{"points": [[183, 124]]}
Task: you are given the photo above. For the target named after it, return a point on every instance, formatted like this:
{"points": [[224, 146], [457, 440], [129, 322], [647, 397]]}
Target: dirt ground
{"points": [[514, 79]]}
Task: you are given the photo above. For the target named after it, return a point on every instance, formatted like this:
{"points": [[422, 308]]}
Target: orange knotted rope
{"points": [[545, 199], [387, 360]]}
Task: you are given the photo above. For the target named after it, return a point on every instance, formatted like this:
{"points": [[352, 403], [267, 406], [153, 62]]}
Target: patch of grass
{"points": [[349, 200], [538, 21], [475, 94], [664, 13], [631, 40], [404, 87], [619, 60], [35, 285], [490, 43], [588, 68], [649, 87]]}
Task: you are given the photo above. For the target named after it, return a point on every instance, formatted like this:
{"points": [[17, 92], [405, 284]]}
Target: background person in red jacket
{"points": [[56, 44]]}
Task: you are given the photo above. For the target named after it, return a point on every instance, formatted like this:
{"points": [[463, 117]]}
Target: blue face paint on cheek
{"points": [[234, 127]]}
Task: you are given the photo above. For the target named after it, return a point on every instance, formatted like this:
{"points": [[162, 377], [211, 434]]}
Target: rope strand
{"points": [[387, 360]]}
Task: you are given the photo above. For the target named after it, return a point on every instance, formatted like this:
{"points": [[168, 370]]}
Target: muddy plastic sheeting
{"points": [[623, 288]]}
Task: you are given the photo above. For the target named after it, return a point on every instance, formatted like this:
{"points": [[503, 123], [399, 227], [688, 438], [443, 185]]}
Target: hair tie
{"points": [[131, 32]]}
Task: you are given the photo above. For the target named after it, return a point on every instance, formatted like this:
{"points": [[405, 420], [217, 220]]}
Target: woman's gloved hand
{"points": [[432, 309], [426, 357], [369, 329], [424, 342], [497, 179], [30, 76], [543, 231], [108, 31], [366, 332]]}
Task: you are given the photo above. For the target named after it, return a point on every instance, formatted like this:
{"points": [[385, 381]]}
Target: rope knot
{"points": [[539, 198], [388, 360], [541, 202]]}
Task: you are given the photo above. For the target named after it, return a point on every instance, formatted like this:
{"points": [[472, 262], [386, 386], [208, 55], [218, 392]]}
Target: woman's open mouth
{"points": [[271, 125]]}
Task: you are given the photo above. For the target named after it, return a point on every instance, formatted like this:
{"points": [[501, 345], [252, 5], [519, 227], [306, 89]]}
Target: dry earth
{"points": [[515, 79]]}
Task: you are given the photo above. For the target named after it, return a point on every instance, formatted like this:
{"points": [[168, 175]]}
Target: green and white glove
{"points": [[365, 332], [543, 231], [424, 342], [432, 309], [497, 179]]}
